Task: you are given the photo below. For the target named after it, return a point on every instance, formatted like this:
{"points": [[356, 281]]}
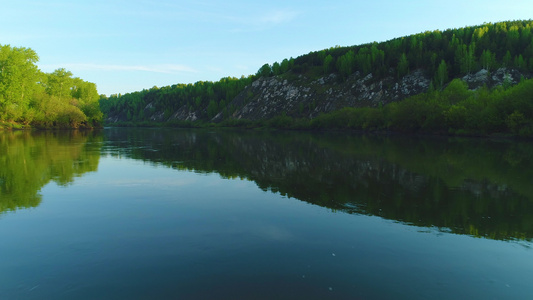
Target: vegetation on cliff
{"points": [[31, 97], [441, 56], [454, 110], [199, 101]]}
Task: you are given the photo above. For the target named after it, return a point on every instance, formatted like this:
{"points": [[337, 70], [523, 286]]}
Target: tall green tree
{"points": [[276, 68], [18, 77], [403, 66], [87, 98], [442, 75], [59, 83], [264, 71], [328, 64], [284, 66], [345, 64], [488, 60], [507, 60], [520, 62], [363, 60], [466, 55]]}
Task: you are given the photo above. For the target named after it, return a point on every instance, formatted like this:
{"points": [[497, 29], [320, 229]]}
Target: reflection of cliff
{"points": [[29, 160], [474, 187]]}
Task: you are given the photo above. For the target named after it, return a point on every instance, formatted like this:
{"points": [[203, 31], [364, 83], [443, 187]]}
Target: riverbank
{"points": [[455, 110], [13, 126], [305, 126], [19, 126]]}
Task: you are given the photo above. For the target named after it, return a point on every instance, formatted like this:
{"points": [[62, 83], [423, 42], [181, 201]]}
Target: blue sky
{"points": [[125, 46]]}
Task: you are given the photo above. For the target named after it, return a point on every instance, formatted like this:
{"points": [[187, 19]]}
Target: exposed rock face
{"points": [[301, 97], [183, 114], [501, 76], [274, 96]]}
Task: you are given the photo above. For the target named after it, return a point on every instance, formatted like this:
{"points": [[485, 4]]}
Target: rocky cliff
{"points": [[268, 97], [303, 97]]}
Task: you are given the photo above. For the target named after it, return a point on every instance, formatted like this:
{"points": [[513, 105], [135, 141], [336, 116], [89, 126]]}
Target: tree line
{"points": [[454, 110], [442, 55], [205, 98], [29, 96]]}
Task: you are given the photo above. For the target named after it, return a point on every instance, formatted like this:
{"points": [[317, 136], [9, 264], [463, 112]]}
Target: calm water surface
{"points": [[199, 214]]}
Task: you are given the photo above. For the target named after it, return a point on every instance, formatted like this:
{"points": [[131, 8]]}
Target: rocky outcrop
{"points": [[502, 76], [268, 97], [302, 97]]}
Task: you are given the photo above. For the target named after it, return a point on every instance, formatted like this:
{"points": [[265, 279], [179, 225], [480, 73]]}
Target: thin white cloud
{"points": [[242, 67], [161, 68], [278, 17], [264, 21]]}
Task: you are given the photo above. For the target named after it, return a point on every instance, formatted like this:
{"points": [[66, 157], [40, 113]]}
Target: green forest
{"points": [[448, 106], [30, 97], [208, 97], [454, 110]]}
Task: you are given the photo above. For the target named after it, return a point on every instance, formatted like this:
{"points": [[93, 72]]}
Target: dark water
{"points": [[199, 214]]}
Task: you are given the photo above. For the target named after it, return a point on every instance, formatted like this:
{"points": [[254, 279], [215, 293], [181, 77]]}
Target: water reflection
{"points": [[30, 160], [476, 187]]}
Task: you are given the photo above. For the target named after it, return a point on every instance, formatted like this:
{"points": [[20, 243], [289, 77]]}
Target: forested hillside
{"points": [[44, 100], [369, 75], [199, 101]]}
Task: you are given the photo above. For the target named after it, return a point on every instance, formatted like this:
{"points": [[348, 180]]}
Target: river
{"points": [[229, 214]]}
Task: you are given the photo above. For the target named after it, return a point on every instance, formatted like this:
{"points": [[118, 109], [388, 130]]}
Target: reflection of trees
{"points": [[30, 160], [476, 187]]}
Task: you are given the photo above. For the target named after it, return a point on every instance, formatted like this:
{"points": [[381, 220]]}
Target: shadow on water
{"points": [[30, 160]]}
